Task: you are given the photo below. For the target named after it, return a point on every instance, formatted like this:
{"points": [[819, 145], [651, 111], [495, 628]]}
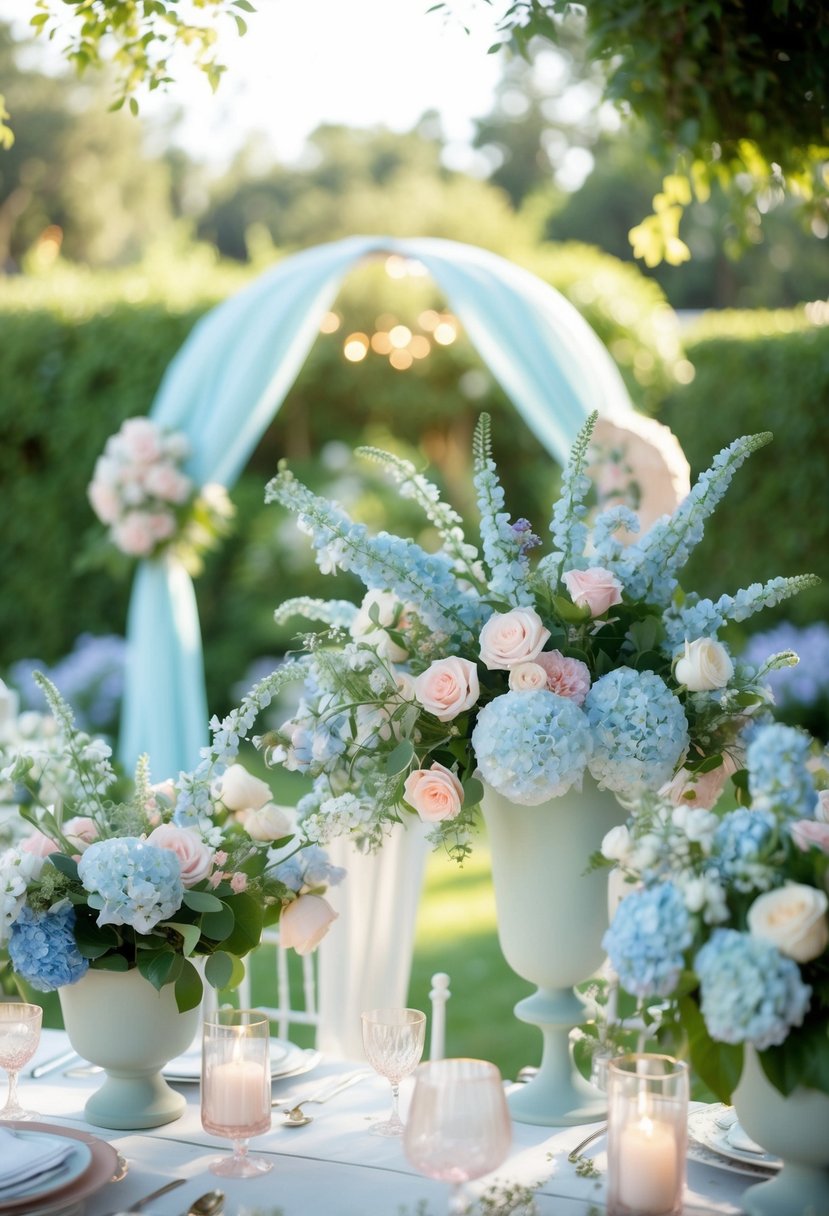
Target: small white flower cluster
{"points": [[338, 817]]}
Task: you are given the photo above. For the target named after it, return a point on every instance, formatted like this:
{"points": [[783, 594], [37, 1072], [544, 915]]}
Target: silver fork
{"points": [[575, 1153], [332, 1087]]}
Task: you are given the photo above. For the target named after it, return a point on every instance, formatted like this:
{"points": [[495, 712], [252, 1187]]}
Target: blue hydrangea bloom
{"points": [[647, 939], [778, 778], [139, 883], [310, 867], [751, 993], [531, 746], [43, 950], [639, 731], [740, 843]]}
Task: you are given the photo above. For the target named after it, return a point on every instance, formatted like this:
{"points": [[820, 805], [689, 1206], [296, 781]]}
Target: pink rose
{"points": [[448, 687], [595, 589], [810, 832], [38, 845], [105, 502], [162, 525], [512, 637], [240, 791], [699, 789], [435, 793], [194, 857], [305, 922], [567, 677], [134, 534], [80, 831], [140, 439], [527, 677], [238, 882], [166, 482]]}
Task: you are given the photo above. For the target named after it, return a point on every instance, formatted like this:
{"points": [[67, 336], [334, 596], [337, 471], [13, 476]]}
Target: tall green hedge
{"points": [[763, 371]]}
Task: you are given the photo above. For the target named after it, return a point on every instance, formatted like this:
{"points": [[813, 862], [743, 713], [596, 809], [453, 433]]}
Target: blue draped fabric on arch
{"points": [[232, 374]]}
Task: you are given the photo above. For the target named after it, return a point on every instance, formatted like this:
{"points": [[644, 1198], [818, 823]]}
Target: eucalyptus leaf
{"points": [[202, 901], [400, 757], [111, 962], [218, 970], [189, 987], [66, 865], [218, 925]]}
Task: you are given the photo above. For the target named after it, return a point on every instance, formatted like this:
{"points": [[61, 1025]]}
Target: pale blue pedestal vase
{"points": [[551, 920], [120, 1021], [794, 1128]]}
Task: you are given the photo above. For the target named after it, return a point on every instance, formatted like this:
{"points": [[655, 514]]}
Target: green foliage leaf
{"points": [[567, 611], [188, 988], [190, 934], [159, 966], [473, 791], [218, 925], [249, 917], [93, 942], [111, 962], [719, 1065], [66, 865], [400, 757], [218, 970], [202, 901], [802, 1058]]}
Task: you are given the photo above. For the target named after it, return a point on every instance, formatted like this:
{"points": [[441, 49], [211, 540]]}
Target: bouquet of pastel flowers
{"points": [[114, 876], [722, 918], [462, 667]]}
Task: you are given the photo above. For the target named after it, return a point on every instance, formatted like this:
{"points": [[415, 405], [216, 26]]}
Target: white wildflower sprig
{"points": [[90, 757], [424, 579], [567, 526], [503, 548], [648, 570], [444, 518], [334, 613]]}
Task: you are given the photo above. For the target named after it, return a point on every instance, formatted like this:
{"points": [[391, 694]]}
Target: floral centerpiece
{"points": [[725, 923], [153, 877], [148, 503], [462, 666]]}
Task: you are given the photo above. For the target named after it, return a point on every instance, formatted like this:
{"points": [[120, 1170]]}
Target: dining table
{"points": [[334, 1166]]}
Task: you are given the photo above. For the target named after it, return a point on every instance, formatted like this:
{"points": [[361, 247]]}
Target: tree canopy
{"points": [[732, 93]]}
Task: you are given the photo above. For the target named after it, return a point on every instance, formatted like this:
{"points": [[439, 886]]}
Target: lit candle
{"points": [[239, 1094], [648, 1167]]}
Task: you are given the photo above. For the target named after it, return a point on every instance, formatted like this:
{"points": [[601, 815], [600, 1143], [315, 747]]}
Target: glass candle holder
{"points": [[236, 1086], [647, 1135]]}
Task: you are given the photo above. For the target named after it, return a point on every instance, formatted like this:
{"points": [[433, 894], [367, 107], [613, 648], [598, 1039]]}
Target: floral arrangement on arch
{"points": [[463, 666], [149, 505], [725, 924], [116, 875]]}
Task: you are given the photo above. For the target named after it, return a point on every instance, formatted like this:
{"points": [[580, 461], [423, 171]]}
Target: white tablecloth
{"points": [[333, 1166]]}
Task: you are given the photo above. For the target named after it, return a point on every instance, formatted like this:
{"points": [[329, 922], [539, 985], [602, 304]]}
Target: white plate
{"points": [[101, 1170], [36, 1189], [704, 1128], [187, 1067]]}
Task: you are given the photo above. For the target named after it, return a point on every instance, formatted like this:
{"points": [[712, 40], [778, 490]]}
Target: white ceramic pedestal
{"points": [[120, 1021], [551, 920]]}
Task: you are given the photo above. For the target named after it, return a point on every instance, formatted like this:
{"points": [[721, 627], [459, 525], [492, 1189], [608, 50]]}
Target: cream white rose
{"points": [[512, 637], [194, 856], [389, 614], [239, 790], [526, 677], [305, 922], [448, 687], [617, 844], [792, 918], [269, 822], [704, 666]]}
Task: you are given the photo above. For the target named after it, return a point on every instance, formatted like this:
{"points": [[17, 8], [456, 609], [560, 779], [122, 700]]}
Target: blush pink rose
{"points": [[595, 589], [81, 831], [38, 845], [140, 439], [435, 793], [194, 856], [566, 677], [512, 637], [448, 687], [238, 882], [305, 922], [105, 502], [164, 481], [134, 534], [809, 832], [699, 789]]}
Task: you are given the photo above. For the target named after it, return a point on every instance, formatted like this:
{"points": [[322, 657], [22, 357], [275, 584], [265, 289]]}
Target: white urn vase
{"points": [[551, 920], [117, 1019]]}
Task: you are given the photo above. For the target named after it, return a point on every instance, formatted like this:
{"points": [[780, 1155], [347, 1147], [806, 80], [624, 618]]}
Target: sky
{"points": [[358, 62]]}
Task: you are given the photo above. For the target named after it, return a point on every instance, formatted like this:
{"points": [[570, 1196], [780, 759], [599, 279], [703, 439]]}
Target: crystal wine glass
{"points": [[458, 1126], [19, 1037], [236, 1086], [393, 1042]]}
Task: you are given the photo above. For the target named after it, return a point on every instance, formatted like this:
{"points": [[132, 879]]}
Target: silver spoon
{"points": [[207, 1204]]}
